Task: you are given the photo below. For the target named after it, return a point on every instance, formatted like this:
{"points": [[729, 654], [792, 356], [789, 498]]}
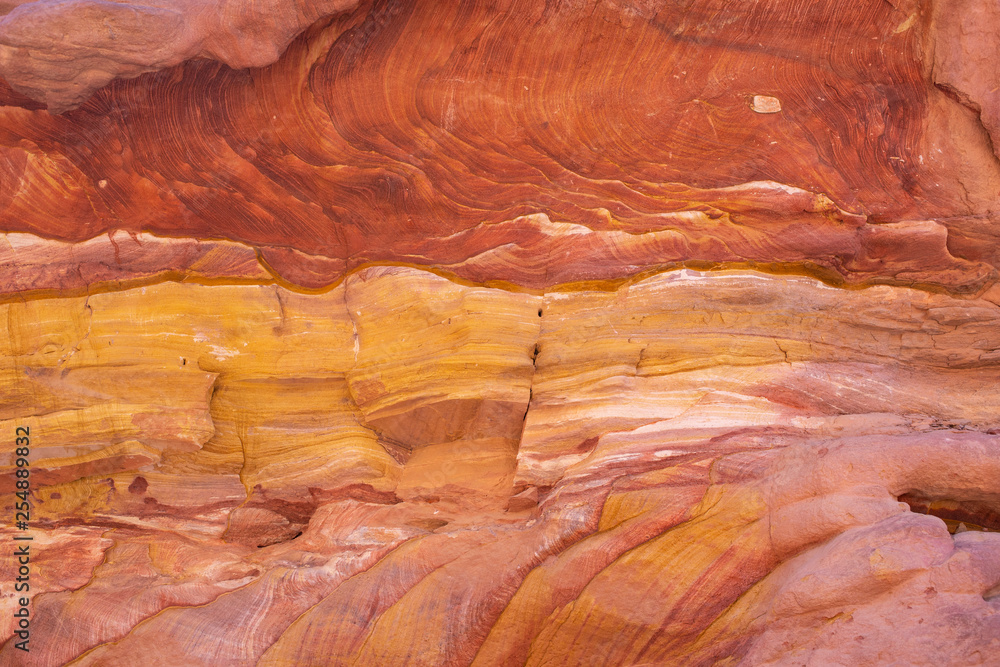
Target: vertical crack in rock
{"points": [[240, 432], [356, 351], [531, 383]]}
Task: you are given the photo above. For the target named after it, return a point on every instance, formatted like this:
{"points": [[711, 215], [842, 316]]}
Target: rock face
{"points": [[61, 51], [501, 333]]}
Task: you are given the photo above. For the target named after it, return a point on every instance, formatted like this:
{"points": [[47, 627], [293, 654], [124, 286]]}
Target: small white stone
{"points": [[765, 104]]}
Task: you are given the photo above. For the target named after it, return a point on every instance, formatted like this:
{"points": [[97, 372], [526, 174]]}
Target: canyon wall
{"points": [[577, 332]]}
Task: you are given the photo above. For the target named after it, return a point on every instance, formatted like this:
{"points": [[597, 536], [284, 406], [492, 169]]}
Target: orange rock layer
{"points": [[691, 468]]}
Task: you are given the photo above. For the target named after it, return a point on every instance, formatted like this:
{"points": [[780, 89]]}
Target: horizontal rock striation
{"points": [[590, 332], [688, 468]]}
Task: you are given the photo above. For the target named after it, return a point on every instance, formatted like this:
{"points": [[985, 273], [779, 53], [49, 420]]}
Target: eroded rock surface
{"points": [[687, 468], [61, 51], [510, 333]]}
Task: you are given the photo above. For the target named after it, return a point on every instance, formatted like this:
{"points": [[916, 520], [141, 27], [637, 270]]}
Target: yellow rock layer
{"points": [[405, 470]]}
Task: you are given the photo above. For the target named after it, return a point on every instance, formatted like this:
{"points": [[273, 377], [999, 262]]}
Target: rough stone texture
{"points": [[61, 51], [603, 332], [966, 48]]}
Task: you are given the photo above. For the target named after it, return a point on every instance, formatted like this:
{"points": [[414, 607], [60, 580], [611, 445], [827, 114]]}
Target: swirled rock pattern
{"points": [[589, 332], [411, 132]]}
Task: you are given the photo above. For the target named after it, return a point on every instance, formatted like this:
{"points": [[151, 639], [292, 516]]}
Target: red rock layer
{"points": [[394, 133]]}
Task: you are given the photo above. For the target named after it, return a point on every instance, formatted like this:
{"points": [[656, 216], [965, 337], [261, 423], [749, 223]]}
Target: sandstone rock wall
{"points": [[591, 332]]}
